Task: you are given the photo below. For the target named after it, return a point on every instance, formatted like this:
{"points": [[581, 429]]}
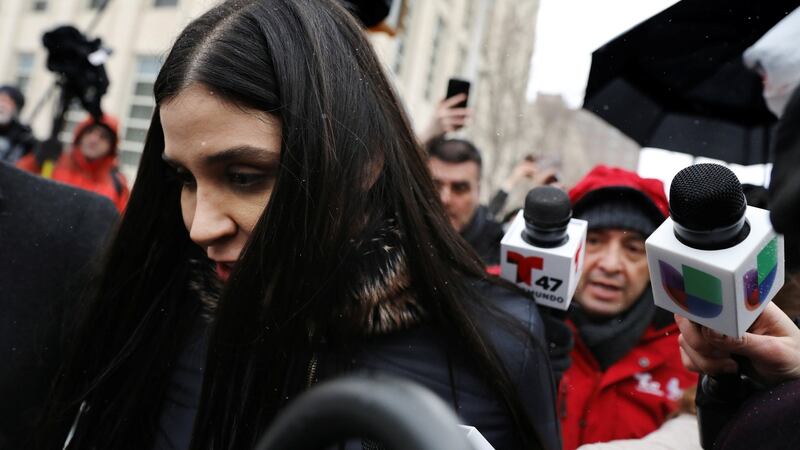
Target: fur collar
{"points": [[379, 298], [205, 287]]}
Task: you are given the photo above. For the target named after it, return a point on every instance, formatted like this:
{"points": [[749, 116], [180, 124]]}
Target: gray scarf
{"points": [[611, 339]]}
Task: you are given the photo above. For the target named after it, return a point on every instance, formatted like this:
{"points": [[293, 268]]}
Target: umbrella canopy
{"points": [[677, 80]]}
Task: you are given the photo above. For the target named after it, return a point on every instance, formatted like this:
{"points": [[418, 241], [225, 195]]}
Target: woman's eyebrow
{"points": [[257, 154]]}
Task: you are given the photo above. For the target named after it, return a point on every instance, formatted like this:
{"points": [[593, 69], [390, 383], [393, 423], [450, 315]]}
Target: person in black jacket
{"points": [[16, 139], [772, 344], [280, 164], [48, 236], [455, 166]]}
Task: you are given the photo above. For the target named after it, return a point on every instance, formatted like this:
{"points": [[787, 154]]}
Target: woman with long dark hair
{"points": [[280, 158]]}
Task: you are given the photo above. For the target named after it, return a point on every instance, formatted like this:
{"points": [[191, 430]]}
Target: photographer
{"points": [[16, 139], [91, 164]]}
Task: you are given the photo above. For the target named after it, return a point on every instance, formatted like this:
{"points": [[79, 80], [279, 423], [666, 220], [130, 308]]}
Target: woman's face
{"points": [[227, 158]]}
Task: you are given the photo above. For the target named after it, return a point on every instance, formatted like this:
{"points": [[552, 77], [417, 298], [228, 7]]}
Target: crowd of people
{"points": [[90, 163], [287, 227]]}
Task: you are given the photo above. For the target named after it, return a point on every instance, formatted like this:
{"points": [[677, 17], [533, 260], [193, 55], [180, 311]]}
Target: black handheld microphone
{"points": [[542, 251], [547, 214], [707, 206], [715, 260]]}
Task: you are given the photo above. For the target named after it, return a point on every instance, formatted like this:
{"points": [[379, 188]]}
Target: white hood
{"points": [[776, 56]]}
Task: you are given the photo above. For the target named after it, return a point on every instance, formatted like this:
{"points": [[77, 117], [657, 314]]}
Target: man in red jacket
{"points": [[626, 375]]}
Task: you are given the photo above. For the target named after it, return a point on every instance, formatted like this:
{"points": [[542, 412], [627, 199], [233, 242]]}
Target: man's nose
{"points": [[445, 194], [611, 259], [211, 221]]}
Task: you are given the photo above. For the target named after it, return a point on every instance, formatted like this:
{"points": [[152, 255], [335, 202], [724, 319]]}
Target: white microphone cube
{"points": [[724, 290], [550, 275]]}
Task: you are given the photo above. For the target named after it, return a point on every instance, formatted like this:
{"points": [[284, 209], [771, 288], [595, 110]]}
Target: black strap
{"points": [[115, 178]]}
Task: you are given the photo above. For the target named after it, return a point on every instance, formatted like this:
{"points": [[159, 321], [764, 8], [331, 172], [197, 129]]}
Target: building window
{"points": [[401, 17], [393, 19], [400, 55], [163, 3], [96, 4], [139, 112], [438, 32], [24, 70], [469, 11], [39, 5], [463, 60], [75, 114]]}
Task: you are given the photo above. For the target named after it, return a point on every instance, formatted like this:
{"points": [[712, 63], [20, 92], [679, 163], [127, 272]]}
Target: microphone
{"points": [[715, 260], [542, 252]]}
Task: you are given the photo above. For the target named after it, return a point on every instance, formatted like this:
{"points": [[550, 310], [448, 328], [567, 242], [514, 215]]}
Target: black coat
{"points": [[769, 419], [16, 141], [48, 235], [484, 235], [421, 354]]}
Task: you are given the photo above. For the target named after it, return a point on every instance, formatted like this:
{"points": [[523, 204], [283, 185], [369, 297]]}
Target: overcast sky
{"points": [[568, 31]]}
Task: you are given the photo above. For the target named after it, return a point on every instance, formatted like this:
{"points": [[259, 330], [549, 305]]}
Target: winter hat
{"points": [[16, 95], [107, 121], [611, 197]]}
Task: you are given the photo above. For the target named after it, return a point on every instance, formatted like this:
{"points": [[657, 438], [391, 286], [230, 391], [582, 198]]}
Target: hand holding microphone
{"points": [[715, 261], [772, 342], [772, 347], [543, 253], [718, 263]]}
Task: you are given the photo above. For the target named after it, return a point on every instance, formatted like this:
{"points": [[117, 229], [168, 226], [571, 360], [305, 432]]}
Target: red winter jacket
{"points": [[631, 398], [101, 176]]}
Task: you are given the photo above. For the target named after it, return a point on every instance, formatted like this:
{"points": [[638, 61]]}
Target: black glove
{"points": [[50, 150]]}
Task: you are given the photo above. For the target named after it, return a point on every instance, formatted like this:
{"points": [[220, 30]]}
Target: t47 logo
{"points": [[695, 291], [758, 281], [525, 267]]}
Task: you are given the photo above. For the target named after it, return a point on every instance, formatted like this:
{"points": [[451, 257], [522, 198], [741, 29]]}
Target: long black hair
{"points": [[349, 159]]}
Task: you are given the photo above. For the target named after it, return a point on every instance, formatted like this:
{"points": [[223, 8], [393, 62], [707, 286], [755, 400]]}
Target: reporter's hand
{"points": [[772, 346], [446, 118]]}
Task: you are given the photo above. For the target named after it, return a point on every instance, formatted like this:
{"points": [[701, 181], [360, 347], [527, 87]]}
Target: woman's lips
{"points": [[224, 270]]}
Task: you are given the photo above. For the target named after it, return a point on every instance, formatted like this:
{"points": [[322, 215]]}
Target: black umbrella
{"points": [[677, 81]]}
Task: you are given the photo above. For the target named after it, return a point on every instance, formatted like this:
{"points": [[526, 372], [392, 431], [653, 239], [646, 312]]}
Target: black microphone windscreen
{"points": [[547, 207], [705, 197]]}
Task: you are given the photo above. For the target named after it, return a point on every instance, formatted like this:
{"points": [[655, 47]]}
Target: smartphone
{"points": [[457, 86]]}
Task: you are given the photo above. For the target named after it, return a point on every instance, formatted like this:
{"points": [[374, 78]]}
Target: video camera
{"points": [[79, 63]]}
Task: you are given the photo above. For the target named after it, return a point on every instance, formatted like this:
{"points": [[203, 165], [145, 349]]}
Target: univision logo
{"points": [[695, 291], [758, 281]]}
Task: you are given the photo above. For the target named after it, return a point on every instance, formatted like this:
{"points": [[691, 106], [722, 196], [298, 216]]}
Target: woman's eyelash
{"points": [[185, 177], [245, 178], [180, 175]]}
